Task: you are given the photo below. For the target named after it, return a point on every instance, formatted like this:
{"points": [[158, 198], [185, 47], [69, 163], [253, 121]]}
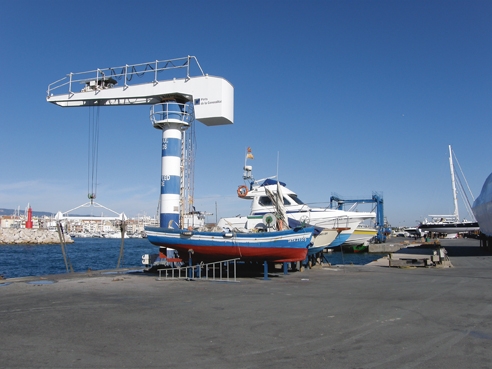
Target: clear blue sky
{"points": [[352, 96]]}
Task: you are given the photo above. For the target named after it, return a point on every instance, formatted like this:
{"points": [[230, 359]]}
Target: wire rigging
{"points": [[188, 164], [93, 153], [461, 171]]}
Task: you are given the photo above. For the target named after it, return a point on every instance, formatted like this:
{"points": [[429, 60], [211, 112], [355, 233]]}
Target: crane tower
{"points": [[175, 104]]}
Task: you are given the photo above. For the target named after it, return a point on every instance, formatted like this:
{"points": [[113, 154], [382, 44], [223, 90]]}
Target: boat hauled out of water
{"points": [[324, 219], [449, 224], [482, 207], [360, 239], [278, 246]]}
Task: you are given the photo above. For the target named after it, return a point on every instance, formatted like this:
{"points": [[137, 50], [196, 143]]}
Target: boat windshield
{"points": [[266, 201], [296, 199]]}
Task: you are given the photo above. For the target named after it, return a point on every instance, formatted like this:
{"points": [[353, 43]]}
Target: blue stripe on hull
{"points": [[268, 239], [283, 246], [341, 238], [315, 250]]}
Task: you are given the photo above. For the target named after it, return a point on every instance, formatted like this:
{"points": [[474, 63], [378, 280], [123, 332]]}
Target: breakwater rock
{"points": [[30, 236]]}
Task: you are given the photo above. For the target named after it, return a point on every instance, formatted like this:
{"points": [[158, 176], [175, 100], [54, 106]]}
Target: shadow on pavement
{"points": [[466, 251]]}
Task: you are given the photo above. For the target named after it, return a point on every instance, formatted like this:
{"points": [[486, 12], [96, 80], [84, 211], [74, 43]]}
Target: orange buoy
{"points": [[242, 191]]}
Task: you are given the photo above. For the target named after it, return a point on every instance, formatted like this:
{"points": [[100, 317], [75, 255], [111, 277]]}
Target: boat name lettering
{"points": [[298, 239]]}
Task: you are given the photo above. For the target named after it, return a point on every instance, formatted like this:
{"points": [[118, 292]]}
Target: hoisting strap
{"points": [[93, 151]]}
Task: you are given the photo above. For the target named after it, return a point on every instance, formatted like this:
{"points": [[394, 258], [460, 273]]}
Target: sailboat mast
{"points": [[453, 184]]}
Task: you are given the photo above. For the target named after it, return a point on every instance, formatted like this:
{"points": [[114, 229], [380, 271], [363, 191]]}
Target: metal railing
{"points": [[171, 110], [210, 271], [108, 77]]}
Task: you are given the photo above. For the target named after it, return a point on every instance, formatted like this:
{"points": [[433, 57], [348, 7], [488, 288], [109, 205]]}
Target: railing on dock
{"points": [[216, 271]]}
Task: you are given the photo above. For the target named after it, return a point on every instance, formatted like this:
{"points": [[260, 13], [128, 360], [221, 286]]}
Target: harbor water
{"points": [[102, 254], [84, 254]]}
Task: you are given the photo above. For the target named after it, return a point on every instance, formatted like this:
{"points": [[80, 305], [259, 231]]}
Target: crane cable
{"points": [[93, 155], [93, 151]]}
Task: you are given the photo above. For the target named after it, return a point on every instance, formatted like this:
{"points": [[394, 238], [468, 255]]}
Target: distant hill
{"points": [[34, 213]]}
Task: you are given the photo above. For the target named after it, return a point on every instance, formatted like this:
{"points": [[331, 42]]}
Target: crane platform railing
{"points": [[105, 78]]}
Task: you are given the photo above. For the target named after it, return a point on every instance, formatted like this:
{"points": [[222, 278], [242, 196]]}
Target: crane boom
{"points": [[213, 97]]}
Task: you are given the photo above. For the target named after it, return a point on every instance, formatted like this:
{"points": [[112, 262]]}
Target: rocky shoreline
{"points": [[30, 237]]}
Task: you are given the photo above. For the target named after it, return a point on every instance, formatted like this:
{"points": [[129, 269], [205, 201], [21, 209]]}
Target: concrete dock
{"points": [[337, 317]]}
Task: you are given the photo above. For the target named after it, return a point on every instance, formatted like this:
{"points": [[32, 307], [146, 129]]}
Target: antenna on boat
{"points": [[247, 174]]}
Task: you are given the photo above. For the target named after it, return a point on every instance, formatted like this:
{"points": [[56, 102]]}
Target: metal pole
{"points": [[68, 265], [453, 185], [122, 244], [190, 264], [265, 271]]}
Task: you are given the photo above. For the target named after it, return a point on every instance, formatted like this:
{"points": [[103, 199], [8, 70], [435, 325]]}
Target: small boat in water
{"points": [[278, 246]]}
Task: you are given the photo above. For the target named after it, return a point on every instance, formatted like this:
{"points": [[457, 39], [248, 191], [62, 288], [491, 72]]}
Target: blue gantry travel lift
{"points": [[377, 198]]}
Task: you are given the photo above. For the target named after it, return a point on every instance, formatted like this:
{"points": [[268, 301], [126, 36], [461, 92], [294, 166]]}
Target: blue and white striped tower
{"points": [[173, 119]]}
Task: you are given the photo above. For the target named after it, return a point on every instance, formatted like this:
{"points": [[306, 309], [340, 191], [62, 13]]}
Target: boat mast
{"points": [[453, 184]]}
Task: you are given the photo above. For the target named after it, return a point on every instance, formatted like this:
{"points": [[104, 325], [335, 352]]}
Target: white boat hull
{"points": [[457, 227], [361, 236], [482, 207]]}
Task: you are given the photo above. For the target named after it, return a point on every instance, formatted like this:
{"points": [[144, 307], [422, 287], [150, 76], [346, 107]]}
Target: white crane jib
{"points": [[176, 102], [212, 97]]}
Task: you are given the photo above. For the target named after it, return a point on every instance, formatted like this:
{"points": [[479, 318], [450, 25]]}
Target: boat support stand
{"points": [[265, 270]]}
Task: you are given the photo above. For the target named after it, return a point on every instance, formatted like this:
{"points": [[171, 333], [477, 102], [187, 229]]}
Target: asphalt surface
{"points": [[338, 317]]}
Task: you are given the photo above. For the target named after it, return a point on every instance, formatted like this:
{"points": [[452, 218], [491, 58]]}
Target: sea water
{"points": [[103, 254], [84, 254]]}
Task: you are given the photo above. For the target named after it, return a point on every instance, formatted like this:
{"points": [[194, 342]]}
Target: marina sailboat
{"points": [[450, 224]]}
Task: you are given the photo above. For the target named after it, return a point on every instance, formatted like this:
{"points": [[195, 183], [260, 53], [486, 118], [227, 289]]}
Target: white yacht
{"points": [[324, 219], [482, 208]]}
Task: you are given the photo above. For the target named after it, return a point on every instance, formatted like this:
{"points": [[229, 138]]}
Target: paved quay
{"points": [[336, 317]]}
